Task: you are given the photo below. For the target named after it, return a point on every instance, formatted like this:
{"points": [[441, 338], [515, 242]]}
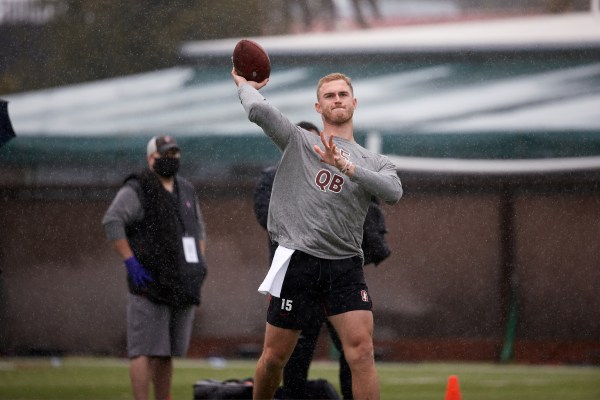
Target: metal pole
{"points": [[373, 142], [509, 284]]}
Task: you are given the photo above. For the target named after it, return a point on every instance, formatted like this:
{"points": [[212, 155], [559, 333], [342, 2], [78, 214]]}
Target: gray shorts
{"points": [[157, 329]]}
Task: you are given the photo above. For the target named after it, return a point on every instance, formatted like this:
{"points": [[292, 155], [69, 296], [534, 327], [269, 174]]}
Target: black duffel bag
{"points": [[321, 389], [210, 389]]}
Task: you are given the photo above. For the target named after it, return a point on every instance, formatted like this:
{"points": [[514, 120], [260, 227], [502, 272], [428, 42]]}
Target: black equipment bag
{"points": [[321, 389], [209, 389]]}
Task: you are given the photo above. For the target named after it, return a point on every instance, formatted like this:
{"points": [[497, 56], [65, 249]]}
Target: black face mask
{"points": [[166, 166]]}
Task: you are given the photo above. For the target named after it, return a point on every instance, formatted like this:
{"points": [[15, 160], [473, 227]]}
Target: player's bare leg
{"points": [[277, 349], [355, 329]]}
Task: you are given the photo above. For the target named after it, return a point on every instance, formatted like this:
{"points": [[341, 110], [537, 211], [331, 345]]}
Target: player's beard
{"points": [[335, 117]]}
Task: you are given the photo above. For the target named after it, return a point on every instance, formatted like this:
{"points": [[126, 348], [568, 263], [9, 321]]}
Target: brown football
{"points": [[251, 61]]}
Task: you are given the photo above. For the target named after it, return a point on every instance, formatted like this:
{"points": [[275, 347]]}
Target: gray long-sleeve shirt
{"points": [[315, 208]]}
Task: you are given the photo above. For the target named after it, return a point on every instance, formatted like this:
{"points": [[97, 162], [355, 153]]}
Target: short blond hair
{"points": [[336, 76]]}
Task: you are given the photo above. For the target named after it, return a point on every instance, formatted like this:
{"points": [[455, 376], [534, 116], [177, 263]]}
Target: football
{"points": [[251, 61]]}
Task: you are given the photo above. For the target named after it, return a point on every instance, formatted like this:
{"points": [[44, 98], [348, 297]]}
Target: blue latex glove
{"points": [[139, 275]]}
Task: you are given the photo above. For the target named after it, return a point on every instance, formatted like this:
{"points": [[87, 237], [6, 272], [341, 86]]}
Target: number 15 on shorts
{"points": [[286, 305]]}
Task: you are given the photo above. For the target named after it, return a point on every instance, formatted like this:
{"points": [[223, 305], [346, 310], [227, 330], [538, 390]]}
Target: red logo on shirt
{"points": [[364, 295]]}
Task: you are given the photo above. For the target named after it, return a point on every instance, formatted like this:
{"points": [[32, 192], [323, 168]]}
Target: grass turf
{"points": [[107, 378]]}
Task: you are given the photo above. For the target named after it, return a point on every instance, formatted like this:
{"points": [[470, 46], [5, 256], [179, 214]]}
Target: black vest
{"points": [[157, 242]]}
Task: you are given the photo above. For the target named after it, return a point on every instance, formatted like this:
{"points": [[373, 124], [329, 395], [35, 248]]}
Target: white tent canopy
{"points": [[163, 101], [561, 30]]}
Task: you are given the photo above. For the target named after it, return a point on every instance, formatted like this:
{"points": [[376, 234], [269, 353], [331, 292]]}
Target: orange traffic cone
{"points": [[452, 390]]}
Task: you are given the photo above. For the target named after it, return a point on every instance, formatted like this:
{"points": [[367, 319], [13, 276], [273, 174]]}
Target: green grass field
{"points": [[107, 378]]}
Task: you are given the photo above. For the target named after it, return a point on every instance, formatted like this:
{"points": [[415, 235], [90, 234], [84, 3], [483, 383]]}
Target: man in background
{"points": [[156, 227]]}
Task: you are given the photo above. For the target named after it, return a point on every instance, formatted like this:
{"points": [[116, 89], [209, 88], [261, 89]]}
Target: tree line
{"points": [[87, 40]]}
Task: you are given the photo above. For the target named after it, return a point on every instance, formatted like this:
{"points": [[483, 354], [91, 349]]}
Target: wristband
{"points": [[346, 166]]}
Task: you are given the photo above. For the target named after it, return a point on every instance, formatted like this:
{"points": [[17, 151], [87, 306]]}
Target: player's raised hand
{"points": [[240, 80]]}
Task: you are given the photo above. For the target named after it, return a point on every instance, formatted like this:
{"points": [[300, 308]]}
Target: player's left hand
{"points": [[331, 155]]}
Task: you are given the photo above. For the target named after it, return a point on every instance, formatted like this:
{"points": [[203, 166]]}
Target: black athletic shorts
{"points": [[315, 285]]}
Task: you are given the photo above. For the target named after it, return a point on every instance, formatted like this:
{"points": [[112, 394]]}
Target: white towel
{"points": [[274, 280]]}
